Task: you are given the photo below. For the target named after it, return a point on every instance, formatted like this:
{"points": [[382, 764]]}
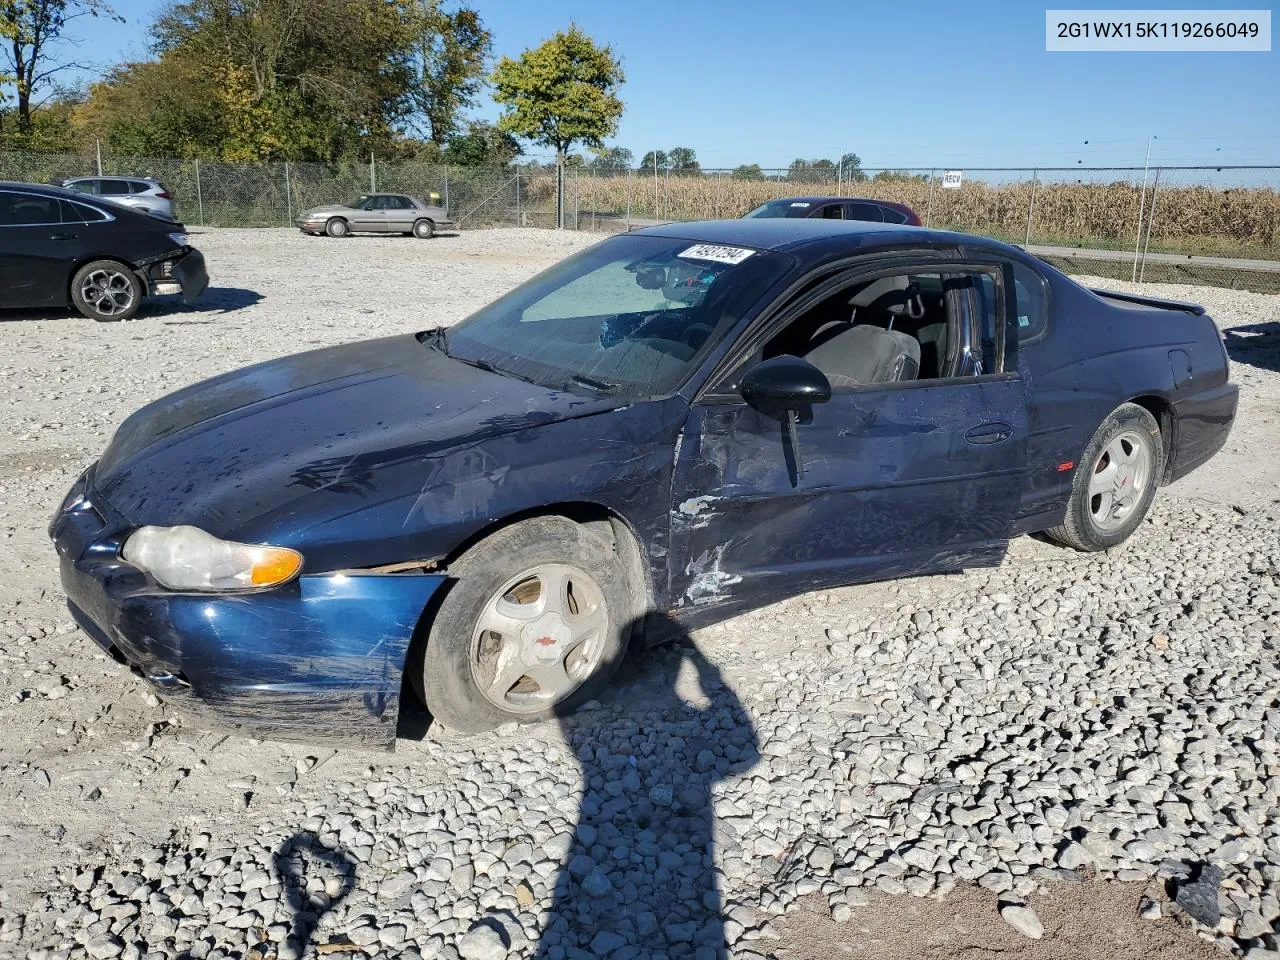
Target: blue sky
{"points": [[900, 84]]}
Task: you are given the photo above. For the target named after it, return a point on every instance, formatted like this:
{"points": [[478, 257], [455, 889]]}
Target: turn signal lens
{"points": [[188, 558]]}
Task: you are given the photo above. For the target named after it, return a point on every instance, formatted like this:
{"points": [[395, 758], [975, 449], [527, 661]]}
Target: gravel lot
{"points": [[881, 771]]}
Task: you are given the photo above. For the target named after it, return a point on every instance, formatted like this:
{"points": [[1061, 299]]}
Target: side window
{"points": [[833, 211], [137, 186], [113, 188], [84, 186], [893, 216], [404, 203], [884, 330], [28, 209], [83, 214], [1029, 295], [864, 211]]}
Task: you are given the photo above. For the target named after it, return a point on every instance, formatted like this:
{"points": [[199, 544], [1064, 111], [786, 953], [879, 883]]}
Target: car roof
{"points": [[111, 176], [824, 198], [787, 234]]}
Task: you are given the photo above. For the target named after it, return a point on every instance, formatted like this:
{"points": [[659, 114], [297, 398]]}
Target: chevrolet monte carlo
{"points": [[692, 419]]}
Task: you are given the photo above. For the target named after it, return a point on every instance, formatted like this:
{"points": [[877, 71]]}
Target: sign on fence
{"points": [[951, 179]]}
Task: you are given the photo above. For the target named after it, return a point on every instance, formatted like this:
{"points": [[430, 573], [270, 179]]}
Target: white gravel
{"points": [[1060, 716]]}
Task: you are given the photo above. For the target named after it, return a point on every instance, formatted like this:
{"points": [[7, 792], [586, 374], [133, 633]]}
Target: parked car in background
{"points": [[837, 208], [58, 246], [376, 213], [697, 418], [142, 192]]}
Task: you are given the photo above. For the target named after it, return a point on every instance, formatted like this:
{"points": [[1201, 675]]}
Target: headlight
{"points": [[187, 558], [179, 239]]}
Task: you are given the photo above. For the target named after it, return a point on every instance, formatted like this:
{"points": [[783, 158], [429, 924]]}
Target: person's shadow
{"points": [[316, 878], [641, 873]]}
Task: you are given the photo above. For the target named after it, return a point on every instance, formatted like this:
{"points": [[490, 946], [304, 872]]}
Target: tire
{"points": [[106, 290], [1102, 512], [472, 679], [424, 229], [337, 228]]}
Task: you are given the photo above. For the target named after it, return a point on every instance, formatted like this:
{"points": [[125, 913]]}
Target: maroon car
{"points": [[838, 208]]}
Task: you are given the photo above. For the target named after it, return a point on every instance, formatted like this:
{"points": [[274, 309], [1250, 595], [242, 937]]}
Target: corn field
{"points": [[1192, 218]]}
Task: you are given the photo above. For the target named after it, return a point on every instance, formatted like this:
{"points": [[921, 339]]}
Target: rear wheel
{"points": [[1114, 482], [535, 624], [337, 227], [106, 290], [424, 229]]}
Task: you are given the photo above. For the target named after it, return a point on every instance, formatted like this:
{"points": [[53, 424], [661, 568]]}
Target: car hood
{"points": [[272, 450], [326, 210]]}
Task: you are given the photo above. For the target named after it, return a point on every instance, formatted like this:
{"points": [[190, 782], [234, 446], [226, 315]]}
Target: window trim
{"points": [[718, 388], [1046, 291]]}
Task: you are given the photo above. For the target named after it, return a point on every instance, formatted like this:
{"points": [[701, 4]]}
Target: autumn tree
{"points": [[561, 93], [449, 59], [33, 36]]}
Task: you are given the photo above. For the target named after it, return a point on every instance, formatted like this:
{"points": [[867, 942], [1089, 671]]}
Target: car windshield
{"points": [[631, 316], [782, 208]]}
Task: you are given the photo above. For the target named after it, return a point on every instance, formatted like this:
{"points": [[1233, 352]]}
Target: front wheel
{"points": [[337, 227], [535, 624], [424, 229], [106, 290], [1115, 481]]}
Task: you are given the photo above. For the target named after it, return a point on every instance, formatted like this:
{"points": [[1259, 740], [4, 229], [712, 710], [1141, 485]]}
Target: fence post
{"points": [[666, 193], [1031, 209], [199, 194], [519, 213], [446, 189], [630, 177], [98, 146], [593, 205], [656, 215], [373, 175], [928, 214], [288, 195], [559, 192], [1151, 216], [716, 212]]}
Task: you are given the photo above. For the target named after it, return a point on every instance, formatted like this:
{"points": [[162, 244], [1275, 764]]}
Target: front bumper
{"points": [[320, 659], [186, 275]]}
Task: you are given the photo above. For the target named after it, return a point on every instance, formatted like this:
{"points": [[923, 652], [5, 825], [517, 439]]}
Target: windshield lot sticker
{"points": [[800, 203], [708, 251]]}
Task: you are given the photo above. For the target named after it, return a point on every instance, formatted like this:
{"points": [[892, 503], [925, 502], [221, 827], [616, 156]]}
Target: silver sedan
{"points": [[376, 213]]}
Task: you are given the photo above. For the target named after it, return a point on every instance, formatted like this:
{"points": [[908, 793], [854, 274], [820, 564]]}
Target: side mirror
{"points": [[785, 383], [782, 387]]}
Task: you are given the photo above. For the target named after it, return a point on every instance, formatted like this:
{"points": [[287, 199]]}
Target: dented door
{"points": [[893, 481]]}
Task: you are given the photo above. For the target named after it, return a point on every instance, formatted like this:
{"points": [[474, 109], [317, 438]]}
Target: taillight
{"points": [[164, 195]]}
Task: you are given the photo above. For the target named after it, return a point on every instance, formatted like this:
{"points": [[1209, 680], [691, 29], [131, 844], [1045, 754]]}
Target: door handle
{"points": [[64, 236], [989, 433]]}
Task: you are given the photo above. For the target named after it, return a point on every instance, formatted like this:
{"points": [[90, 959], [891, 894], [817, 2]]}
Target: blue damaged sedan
{"points": [[693, 419]]}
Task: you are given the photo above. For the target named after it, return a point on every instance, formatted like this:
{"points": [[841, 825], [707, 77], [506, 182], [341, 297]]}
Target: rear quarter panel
{"points": [[1101, 354]]}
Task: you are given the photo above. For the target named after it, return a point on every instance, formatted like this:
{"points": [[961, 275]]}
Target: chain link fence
{"points": [[210, 194], [1214, 225], [1207, 225]]}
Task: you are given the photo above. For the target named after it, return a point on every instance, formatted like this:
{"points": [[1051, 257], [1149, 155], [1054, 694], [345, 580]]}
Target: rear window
{"points": [[86, 214], [893, 216], [139, 186]]}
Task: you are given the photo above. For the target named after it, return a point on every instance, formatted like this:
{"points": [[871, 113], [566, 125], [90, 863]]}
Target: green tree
{"points": [[851, 167], [612, 159], [265, 80], [655, 159], [748, 171], [561, 93], [33, 35], [683, 160], [451, 51], [481, 145], [811, 171]]}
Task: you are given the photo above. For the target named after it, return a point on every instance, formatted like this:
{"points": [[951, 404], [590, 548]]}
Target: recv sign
{"points": [[951, 179]]}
